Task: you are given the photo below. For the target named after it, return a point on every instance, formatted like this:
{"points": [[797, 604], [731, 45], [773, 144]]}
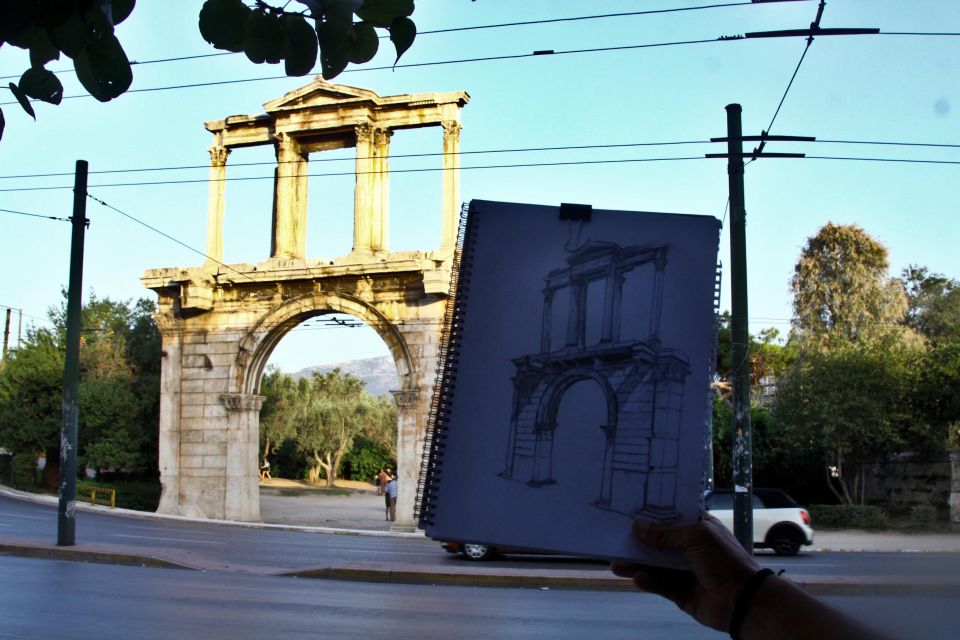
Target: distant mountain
{"points": [[379, 374]]}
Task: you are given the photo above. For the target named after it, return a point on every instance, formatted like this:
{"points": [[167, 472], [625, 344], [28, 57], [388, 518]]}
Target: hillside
{"points": [[379, 374]]}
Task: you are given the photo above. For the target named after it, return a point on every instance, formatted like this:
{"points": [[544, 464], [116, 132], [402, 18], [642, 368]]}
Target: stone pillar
{"points": [[218, 185], [363, 192], [290, 199], [450, 216], [169, 440], [409, 452], [380, 214], [242, 498]]}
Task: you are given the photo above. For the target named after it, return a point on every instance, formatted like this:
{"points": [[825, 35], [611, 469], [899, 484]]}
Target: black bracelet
{"points": [[745, 599]]}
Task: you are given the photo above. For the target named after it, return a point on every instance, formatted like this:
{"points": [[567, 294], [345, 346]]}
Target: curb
{"points": [[816, 585], [85, 506]]}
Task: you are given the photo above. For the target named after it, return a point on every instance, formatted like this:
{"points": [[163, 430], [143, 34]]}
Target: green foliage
{"points": [[269, 32], [365, 459], [934, 304], [841, 291], [31, 394], [322, 416], [143, 495], [25, 470], [923, 515], [118, 395], [82, 30], [854, 403], [842, 516]]}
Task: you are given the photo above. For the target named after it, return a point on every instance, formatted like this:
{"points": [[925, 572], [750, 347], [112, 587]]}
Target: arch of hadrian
{"points": [[219, 322]]}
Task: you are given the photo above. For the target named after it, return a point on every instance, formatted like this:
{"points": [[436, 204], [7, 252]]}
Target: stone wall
{"points": [[909, 479]]}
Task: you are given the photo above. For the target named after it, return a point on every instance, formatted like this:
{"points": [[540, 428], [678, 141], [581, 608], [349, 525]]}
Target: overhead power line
{"points": [[34, 215], [180, 58]]}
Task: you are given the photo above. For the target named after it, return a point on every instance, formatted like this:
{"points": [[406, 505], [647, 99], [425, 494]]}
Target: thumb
{"points": [[662, 536]]}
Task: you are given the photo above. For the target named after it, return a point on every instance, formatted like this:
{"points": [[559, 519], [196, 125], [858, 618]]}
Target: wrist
{"points": [[746, 601]]}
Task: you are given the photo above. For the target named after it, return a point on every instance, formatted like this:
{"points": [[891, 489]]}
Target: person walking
{"points": [[382, 478], [392, 500], [386, 498]]}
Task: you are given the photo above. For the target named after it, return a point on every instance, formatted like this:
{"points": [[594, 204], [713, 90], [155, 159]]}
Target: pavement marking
{"points": [[17, 515], [166, 529], [120, 535]]}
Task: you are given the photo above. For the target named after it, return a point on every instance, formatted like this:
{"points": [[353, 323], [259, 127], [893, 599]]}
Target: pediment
{"points": [[319, 93]]}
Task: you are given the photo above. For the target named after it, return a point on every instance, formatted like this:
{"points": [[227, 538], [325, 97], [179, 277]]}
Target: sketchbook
{"points": [[572, 393]]}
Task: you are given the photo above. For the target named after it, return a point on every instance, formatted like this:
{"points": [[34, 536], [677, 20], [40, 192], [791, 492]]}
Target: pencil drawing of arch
{"points": [[642, 383]]}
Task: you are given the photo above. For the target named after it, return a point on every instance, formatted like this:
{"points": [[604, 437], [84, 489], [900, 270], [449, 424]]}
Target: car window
{"points": [[775, 499], [720, 501]]}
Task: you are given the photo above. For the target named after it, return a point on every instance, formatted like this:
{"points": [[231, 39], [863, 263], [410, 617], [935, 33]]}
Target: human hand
{"points": [[719, 568]]}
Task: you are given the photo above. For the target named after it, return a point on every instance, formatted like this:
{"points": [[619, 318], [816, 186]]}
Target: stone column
{"points": [[218, 185], [380, 214], [171, 331], [450, 216], [363, 193], [242, 498], [409, 451], [290, 199]]}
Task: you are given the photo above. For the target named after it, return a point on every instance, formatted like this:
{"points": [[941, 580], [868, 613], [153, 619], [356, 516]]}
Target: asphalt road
{"points": [[262, 549], [58, 599]]}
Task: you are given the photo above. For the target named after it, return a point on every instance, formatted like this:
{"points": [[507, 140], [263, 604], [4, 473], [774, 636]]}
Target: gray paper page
{"points": [[581, 393]]}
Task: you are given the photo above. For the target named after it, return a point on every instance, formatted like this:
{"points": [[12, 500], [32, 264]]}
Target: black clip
{"points": [[581, 212]]}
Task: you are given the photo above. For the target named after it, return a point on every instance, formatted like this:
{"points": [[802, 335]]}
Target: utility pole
{"points": [[740, 337], [6, 336], [66, 511], [739, 326]]}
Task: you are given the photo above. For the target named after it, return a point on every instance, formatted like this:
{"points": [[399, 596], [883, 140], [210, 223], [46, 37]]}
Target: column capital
{"points": [[364, 132], [218, 155], [451, 128], [381, 136], [405, 398]]}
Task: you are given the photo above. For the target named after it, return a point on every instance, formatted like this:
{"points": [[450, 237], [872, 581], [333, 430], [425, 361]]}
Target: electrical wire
{"points": [[355, 158], [353, 173], [34, 215], [457, 29]]}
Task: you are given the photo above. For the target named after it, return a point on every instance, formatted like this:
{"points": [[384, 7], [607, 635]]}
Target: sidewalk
{"points": [[286, 504]]}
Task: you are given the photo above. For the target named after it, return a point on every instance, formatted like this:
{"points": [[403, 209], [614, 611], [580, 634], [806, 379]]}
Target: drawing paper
{"points": [[576, 391]]}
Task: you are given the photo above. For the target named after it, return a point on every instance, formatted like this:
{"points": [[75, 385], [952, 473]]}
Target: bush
{"points": [[848, 516], [25, 471], [139, 496], [923, 515], [364, 460]]}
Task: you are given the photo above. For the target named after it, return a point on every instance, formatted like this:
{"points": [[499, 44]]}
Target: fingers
{"points": [[663, 537], [668, 583]]}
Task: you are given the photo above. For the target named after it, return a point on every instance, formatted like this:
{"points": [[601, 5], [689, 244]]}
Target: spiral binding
{"points": [[448, 355], [706, 482]]}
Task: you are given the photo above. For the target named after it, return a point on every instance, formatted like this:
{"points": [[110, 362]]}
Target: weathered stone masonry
{"points": [[220, 323]]}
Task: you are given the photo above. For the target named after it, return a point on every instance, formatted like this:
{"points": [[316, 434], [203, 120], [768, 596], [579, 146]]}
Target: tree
{"points": [[853, 404], [934, 304], [118, 395], [841, 290], [334, 410], [83, 30], [279, 412]]}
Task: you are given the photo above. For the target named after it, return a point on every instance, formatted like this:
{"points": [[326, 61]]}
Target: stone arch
{"points": [[263, 337]]}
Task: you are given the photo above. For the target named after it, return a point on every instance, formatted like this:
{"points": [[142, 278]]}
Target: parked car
{"points": [[475, 551], [779, 523]]}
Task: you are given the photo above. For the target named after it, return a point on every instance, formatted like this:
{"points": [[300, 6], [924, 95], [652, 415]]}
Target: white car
{"points": [[779, 523]]}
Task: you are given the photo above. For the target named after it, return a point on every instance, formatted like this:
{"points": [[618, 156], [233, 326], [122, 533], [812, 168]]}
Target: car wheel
{"points": [[785, 542], [476, 551]]}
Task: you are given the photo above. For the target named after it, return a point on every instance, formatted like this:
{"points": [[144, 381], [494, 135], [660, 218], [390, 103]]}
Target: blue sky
{"points": [[859, 88]]}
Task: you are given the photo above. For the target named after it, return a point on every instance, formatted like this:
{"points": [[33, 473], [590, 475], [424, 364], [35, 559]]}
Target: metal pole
{"points": [[6, 335], [66, 512], [740, 337]]}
